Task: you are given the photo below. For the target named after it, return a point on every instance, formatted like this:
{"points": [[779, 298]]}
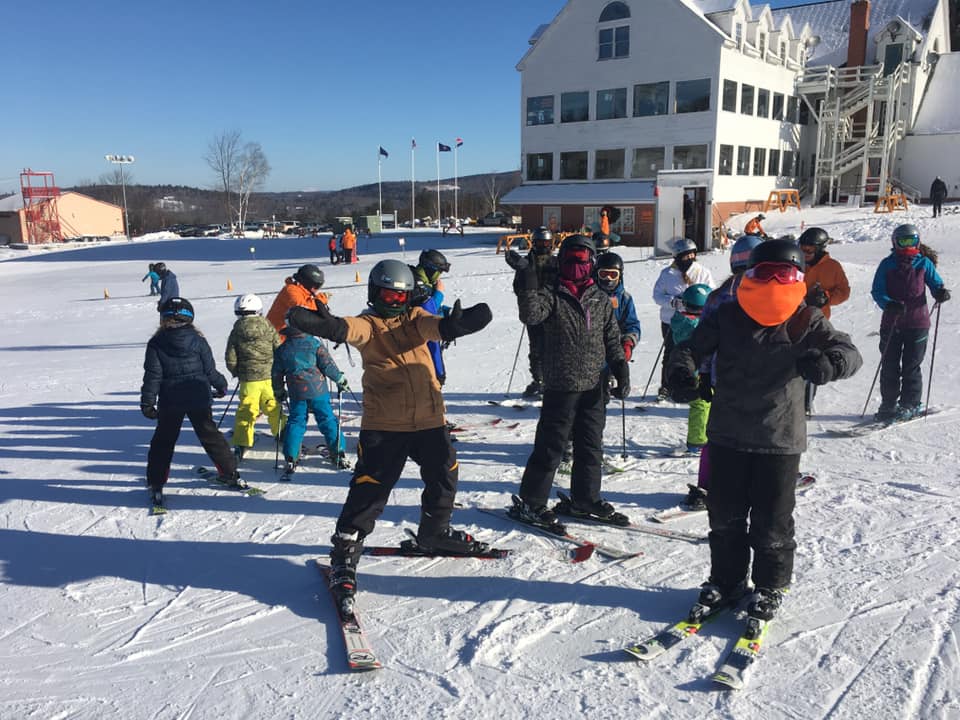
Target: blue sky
{"points": [[319, 84]]}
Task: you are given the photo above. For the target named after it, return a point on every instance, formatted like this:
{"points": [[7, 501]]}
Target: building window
{"points": [[693, 96], [804, 113], [787, 168], [540, 110], [773, 166], [746, 99], [743, 160], [611, 104], [729, 96], [689, 156], [573, 165], [647, 162], [792, 104], [778, 106], [650, 99], [738, 35], [608, 165], [762, 46], [726, 160], [614, 43], [540, 166], [759, 161], [763, 103], [615, 11], [574, 107], [783, 53]]}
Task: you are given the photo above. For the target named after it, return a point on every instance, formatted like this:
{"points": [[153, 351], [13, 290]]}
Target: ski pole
{"points": [[883, 353], [623, 428], [653, 370], [229, 402], [933, 355], [339, 423], [515, 358]]}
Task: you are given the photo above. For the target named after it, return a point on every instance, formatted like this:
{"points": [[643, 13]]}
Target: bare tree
{"points": [[116, 181], [491, 192], [251, 173], [222, 156]]}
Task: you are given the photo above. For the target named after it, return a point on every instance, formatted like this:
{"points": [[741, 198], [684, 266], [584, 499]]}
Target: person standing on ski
{"points": [[249, 358], [683, 272], [682, 325], [178, 372], [154, 279], [403, 416], [581, 335], [304, 364], [900, 289], [428, 294], [767, 342], [609, 274], [169, 286], [302, 289]]}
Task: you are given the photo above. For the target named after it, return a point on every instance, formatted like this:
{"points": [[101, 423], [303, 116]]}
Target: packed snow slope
{"points": [[216, 609]]}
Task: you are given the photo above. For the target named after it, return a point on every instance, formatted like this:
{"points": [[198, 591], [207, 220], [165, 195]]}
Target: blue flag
{"points": [[384, 152], [443, 148]]}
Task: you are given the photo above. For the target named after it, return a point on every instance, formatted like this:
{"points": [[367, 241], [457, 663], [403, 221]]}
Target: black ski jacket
{"points": [[179, 370]]}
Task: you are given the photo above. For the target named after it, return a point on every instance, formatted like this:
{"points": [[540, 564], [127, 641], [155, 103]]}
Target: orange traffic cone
{"points": [[229, 284], [357, 278]]}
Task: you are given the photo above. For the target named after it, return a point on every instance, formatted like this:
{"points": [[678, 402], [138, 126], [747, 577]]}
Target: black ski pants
{"points": [[900, 375], [937, 206], [535, 335], [381, 455], [580, 416], [750, 506], [169, 422]]}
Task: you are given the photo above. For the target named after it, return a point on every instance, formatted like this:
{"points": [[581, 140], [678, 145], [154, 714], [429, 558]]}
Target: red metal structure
{"points": [[40, 193]]}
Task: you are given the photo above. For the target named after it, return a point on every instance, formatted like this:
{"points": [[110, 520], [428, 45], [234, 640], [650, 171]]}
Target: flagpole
{"points": [[438, 184], [413, 190], [379, 186], [456, 187]]}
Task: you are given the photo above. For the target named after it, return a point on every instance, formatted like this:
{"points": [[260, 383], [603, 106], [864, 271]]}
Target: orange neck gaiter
{"points": [[769, 303]]}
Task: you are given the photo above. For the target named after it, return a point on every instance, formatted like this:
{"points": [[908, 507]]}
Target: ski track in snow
{"points": [[215, 610]]}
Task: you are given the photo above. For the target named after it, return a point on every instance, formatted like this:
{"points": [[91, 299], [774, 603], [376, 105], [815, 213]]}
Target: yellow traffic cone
{"points": [[229, 284], [357, 278], [106, 295]]}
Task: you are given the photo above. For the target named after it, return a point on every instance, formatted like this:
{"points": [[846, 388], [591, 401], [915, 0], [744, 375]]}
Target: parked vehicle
{"points": [[499, 219]]}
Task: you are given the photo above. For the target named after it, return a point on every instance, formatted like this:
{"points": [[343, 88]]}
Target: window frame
{"points": [[571, 95], [724, 96], [616, 105], [618, 43], [659, 165], [773, 162], [540, 112], [763, 100], [759, 162], [728, 151], [662, 86], [609, 152], [689, 149], [530, 159], [743, 160], [746, 88], [566, 158], [677, 93]]}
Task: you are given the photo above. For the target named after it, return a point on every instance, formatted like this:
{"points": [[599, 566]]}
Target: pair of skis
{"points": [[733, 670], [210, 475]]}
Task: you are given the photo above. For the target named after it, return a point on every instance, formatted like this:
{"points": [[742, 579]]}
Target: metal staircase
{"points": [[858, 127]]}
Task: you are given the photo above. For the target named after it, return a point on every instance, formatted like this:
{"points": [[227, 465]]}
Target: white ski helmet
{"points": [[248, 304]]}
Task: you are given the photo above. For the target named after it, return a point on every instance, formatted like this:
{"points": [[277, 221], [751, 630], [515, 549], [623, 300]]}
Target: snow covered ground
{"points": [[216, 611]]}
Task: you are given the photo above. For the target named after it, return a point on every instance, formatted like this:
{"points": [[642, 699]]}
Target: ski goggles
{"points": [[907, 241], [577, 254], [781, 272], [394, 298], [609, 274]]}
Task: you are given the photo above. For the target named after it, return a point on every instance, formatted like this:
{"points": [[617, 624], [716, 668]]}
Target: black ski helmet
{"points": [[542, 241], [777, 251], [433, 260], [390, 274], [609, 261], [179, 308], [815, 236], [310, 276], [574, 241], [160, 269]]}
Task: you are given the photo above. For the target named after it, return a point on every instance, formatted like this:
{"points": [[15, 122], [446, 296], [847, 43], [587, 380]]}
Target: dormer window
{"points": [[738, 34], [783, 53], [762, 45], [614, 42]]}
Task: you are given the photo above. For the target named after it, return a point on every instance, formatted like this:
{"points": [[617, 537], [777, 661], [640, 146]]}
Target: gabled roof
{"points": [[831, 22]]}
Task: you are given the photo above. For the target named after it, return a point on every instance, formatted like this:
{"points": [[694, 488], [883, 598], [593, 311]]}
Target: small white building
{"points": [[681, 112]]}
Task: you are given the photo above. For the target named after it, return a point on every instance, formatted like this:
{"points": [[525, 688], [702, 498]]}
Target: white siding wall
{"points": [[923, 157], [667, 42], [737, 129]]}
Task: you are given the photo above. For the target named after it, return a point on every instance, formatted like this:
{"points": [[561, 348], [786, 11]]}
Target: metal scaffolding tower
{"points": [[40, 193]]}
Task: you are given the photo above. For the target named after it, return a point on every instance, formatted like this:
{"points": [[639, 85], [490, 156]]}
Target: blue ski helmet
{"points": [[740, 252]]}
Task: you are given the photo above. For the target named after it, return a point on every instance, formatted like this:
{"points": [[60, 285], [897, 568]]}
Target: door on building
{"points": [[892, 57], [695, 215]]}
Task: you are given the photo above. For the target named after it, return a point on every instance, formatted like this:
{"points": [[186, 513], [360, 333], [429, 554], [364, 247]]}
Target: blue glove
{"points": [[342, 384]]}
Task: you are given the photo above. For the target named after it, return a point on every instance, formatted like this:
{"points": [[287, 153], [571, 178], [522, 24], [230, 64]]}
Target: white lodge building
{"points": [[655, 106]]}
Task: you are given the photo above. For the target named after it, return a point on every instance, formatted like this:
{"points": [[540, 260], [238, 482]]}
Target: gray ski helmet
{"points": [[390, 274], [908, 230], [682, 246], [815, 236], [740, 252], [310, 276], [433, 260], [777, 251], [542, 241], [177, 307]]}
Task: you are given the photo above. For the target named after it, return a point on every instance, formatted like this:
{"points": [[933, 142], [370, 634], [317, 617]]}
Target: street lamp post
{"points": [[122, 160]]}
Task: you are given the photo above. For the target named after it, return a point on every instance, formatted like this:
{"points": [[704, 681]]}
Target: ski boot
{"points": [[450, 542], [598, 510], [339, 460], [344, 555], [714, 597], [696, 499], [539, 515], [764, 603], [289, 468], [907, 412], [886, 413], [233, 481], [663, 394], [156, 496], [534, 389]]}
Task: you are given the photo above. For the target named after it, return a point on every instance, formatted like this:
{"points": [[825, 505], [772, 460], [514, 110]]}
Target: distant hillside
{"points": [[154, 206]]}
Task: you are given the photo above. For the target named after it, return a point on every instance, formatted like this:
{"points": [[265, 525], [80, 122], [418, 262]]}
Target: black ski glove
{"points": [[816, 367], [462, 322], [817, 296], [149, 412], [516, 260], [318, 322], [621, 371], [705, 387], [941, 294], [683, 386], [894, 307]]}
